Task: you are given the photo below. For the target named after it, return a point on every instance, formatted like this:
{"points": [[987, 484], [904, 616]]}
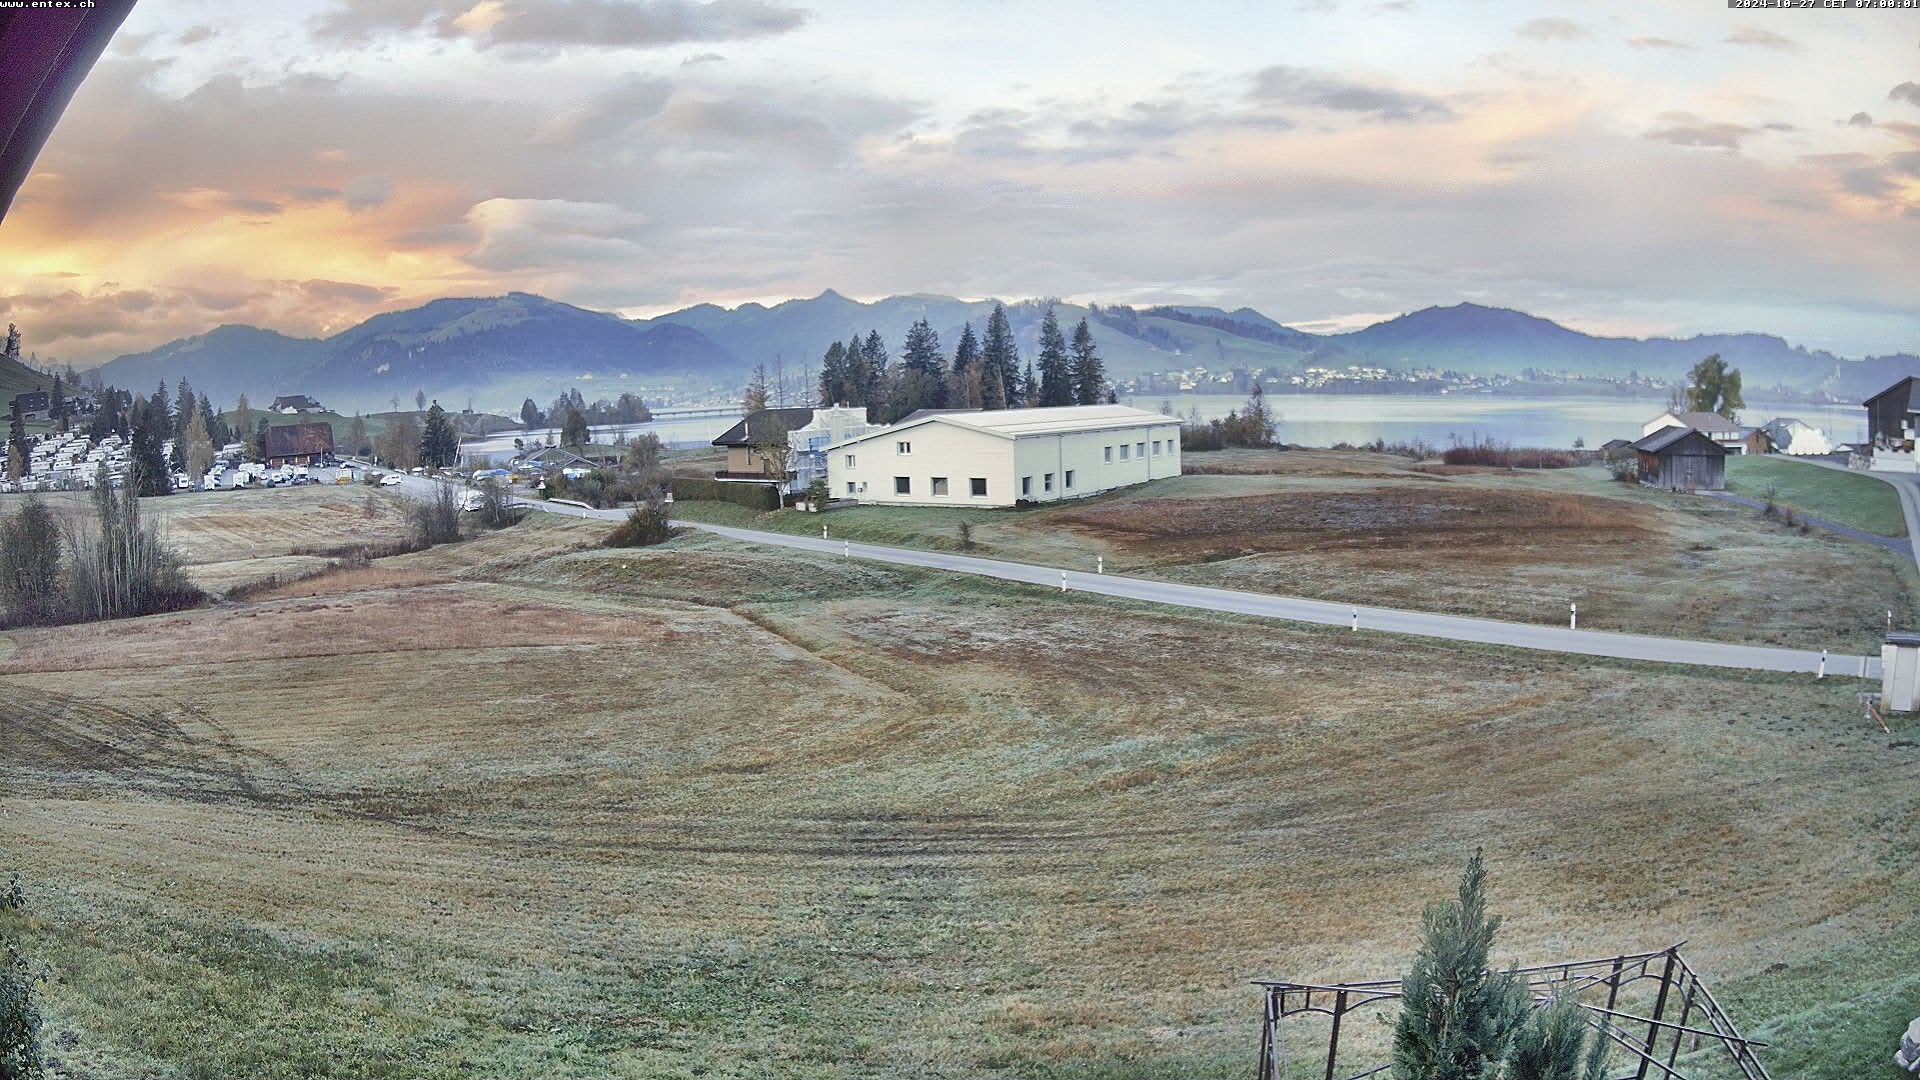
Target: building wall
{"points": [[1684, 471], [1085, 454], [959, 454]]}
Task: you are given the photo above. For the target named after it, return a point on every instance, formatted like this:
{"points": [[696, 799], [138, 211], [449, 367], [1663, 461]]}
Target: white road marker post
{"points": [[846, 549], [1063, 581], [1573, 615], [1100, 564], [1823, 665], [1356, 618], [1889, 618], [823, 532], [1863, 667]]}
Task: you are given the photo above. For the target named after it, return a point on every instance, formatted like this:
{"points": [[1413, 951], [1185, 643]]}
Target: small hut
{"points": [[1682, 459]]}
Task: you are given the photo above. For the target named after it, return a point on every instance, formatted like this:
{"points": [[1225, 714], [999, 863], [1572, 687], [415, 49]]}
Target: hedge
{"points": [[751, 496]]}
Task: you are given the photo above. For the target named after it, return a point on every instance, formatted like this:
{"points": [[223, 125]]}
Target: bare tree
{"points": [[772, 445]]}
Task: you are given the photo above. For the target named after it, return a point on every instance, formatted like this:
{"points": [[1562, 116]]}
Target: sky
{"points": [[1628, 168]]}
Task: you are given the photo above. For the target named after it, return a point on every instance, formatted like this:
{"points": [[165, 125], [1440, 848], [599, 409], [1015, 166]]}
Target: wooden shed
{"points": [[1682, 459]]}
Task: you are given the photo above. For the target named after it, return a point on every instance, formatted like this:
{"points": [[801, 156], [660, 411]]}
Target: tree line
{"points": [[108, 564], [983, 372]]}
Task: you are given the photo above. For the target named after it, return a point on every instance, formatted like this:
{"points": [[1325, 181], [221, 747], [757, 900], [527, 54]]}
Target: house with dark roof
{"points": [[1893, 418], [1682, 459], [298, 444], [292, 404], [744, 460], [808, 434], [1714, 426], [33, 406]]}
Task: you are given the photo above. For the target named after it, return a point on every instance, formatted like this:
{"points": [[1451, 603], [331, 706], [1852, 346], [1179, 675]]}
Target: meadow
{"points": [[526, 806], [1380, 529]]}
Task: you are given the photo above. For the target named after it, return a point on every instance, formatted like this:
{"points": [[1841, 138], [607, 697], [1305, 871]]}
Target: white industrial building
{"points": [[1005, 456]]}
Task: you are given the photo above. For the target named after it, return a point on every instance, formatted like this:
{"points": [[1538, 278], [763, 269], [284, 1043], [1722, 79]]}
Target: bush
{"points": [[497, 508], [965, 529], [1489, 453], [763, 497], [30, 566], [1624, 470], [437, 520], [646, 526], [118, 566]]}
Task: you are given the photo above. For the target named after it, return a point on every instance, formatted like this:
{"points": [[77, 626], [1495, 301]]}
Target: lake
{"points": [[1326, 419], [1444, 419]]}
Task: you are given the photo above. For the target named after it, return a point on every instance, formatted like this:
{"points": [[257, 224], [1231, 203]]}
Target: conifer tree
{"points": [[1553, 1044], [755, 397], [1089, 373], [923, 372], [199, 445], [357, 442], [151, 425], [1056, 373], [963, 381], [859, 373], [879, 379], [439, 445], [572, 433], [833, 376], [1457, 1018], [57, 405], [999, 363]]}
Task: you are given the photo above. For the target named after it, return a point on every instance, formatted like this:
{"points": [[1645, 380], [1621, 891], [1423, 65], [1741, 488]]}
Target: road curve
{"points": [[1390, 620]]}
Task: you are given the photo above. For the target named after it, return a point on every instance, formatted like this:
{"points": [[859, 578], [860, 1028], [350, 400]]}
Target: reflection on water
{"points": [[1326, 419]]}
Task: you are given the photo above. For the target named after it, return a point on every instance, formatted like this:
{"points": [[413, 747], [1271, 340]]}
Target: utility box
{"points": [[1900, 673]]}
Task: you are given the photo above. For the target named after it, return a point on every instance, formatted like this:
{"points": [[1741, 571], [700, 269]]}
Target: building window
{"points": [[849, 487], [903, 447], [979, 487], [1069, 479], [939, 485], [1156, 448], [1026, 486], [849, 461], [1141, 450], [1109, 454], [902, 486], [1046, 482], [1123, 451]]}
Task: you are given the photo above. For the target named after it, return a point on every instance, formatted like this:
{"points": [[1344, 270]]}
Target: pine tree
{"points": [[186, 400], [879, 379], [833, 376], [999, 363], [57, 405], [1089, 373], [13, 343], [1030, 388], [1056, 373], [963, 381], [923, 371], [151, 427], [573, 432], [439, 445], [1457, 1018], [529, 414], [17, 430], [217, 432]]}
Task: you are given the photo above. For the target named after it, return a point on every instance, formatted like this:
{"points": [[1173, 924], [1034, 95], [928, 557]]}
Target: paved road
{"points": [[1905, 485], [1417, 623]]}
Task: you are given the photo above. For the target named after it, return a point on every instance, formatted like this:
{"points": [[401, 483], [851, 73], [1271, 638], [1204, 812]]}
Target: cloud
{"points": [[610, 112], [614, 24], [194, 35], [1860, 119], [1762, 38], [520, 235], [1653, 42], [1908, 92], [367, 193], [1552, 29], [1299, 86], [702, 58], [1686, 129]]}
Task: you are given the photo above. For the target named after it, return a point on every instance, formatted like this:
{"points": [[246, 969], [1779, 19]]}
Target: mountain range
{"points": [[490, 352]]}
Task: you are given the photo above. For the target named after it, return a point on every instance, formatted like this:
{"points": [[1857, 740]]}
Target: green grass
{"points": [[1863, 502]]}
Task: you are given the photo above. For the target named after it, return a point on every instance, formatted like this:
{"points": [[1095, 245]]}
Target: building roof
{"points": [[1909, 387], [298, 440], [294, 401], [1709, 423], [1615, 444], [32, 399], [1026, 423], [754, 424], [1669, 438]]}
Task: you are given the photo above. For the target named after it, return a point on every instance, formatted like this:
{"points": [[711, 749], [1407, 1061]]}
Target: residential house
{"points": [[1893, 417], [34, 406], [295, 404], [1005, 457], [1728, 434], [1682, 459], [744, 440], [1790, 435], [298, 444]]}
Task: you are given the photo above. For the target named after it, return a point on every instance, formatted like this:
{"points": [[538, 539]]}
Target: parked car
{"points": [[390, 480]]}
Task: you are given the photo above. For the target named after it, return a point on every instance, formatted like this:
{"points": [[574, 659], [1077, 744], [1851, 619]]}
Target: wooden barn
{"points": [[1682, 459]]}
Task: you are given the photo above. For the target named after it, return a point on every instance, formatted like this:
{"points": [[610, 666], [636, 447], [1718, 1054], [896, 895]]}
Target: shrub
{"points": [[1553, 1045], [118, 566], [437, 520], [645, 526], [965, 529], [497, 508], [753, 496], [1624, 470], [1487, 452], [817, 495], [30, 566], [1457, 1018]]}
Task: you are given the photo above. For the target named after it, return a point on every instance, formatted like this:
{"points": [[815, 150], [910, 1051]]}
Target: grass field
{"points": [[1863, 502], [1376, 529], [527, 807]]}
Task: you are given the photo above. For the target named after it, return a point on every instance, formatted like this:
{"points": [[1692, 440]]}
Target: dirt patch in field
{"points": [[352, 580], [1458, 522], [429, 618]]}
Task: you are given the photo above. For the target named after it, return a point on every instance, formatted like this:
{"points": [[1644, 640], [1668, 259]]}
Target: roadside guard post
{"points": [[1900, 673]]}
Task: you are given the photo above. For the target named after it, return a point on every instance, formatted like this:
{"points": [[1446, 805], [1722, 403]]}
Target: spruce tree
{"points": [[439, 446], [755, 397], [1056, 373], [879, 379], [999, 363], [57, 405], [1457, 1018], [1553, 1044], [529, 414], [833, 376], [1089, 373], [859, 373], [923, 371], [963, 381], [151, 425]]}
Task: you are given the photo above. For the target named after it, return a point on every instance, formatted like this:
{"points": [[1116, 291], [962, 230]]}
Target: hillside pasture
{"points": [[525, 806]]}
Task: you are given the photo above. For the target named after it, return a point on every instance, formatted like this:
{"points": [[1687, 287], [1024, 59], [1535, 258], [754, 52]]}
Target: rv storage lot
{"points": [[525, 807]]}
